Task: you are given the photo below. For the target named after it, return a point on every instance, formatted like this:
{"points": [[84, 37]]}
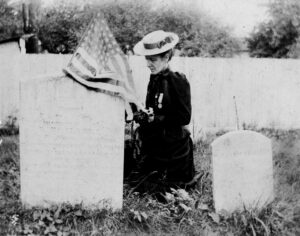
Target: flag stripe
{"points": [[129, 74], [83, 70], [116, 66], [74, 69], [82, 60], [99, 62], [102, 87]]}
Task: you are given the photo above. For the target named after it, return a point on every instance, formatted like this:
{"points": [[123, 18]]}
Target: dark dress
{"points": [[166, 144]]}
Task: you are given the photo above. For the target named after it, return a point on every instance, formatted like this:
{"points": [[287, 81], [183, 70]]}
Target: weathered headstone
{"points": [[71, 144], [242, 171]]}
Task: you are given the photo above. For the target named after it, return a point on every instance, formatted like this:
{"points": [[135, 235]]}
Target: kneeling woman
{"points": [[167, 148]]}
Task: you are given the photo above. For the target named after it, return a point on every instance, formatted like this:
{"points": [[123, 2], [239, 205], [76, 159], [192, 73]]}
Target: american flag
{"points": [[99, 62]]}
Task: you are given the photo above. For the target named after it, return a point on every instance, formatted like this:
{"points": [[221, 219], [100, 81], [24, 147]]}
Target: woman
{"points": [[167, 148]]}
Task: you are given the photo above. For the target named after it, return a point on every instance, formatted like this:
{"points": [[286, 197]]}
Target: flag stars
{"points": [[101, 46]]}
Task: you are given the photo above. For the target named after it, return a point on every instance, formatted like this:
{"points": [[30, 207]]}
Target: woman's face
{"points": [[156, 63]]}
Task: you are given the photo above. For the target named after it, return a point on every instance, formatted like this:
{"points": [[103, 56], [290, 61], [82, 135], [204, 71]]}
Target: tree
{"points": [[129, 20], [62, 25], [200, 34], [279, 36], [10, 21]]}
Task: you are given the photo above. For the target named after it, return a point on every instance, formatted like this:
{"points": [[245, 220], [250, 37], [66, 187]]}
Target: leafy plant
{"points": [[62, 25], [180, 213], [278, 37], [10, 21]]}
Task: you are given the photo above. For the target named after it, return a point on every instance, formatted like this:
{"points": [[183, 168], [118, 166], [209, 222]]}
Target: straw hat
{"points": [[155, 43]]}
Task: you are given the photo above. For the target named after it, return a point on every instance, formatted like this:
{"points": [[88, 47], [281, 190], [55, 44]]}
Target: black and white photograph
{"points": [[150, 117]]}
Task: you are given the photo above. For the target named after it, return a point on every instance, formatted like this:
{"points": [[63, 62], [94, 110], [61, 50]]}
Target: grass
{"points": [[183, 213]]}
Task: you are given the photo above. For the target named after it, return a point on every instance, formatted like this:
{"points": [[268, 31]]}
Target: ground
{"points": [[183, 213]]}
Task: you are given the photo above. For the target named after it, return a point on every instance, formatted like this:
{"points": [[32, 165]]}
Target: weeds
{"points": [[181, 212], [9, 127]]}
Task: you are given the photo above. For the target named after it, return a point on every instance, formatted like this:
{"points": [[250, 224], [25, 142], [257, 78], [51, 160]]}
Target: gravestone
{"points": [[71, 144], [242, 171]]}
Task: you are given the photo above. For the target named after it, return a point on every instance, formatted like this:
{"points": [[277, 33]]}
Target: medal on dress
{"points": [[160, 98]]}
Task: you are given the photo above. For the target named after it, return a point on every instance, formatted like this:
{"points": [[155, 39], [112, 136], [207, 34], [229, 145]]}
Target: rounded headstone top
{"points": [[241, 136]]}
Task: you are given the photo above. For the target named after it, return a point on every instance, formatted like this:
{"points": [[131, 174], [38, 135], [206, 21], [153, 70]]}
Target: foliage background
{"points": [[61, 25], [278, 37], [10, 21]]}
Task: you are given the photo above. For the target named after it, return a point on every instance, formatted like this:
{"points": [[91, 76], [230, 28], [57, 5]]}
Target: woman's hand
{"points": [[142, 117], [150, 115]]}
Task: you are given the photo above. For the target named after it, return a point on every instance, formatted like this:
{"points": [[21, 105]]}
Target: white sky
{"points": [[241, 15]]}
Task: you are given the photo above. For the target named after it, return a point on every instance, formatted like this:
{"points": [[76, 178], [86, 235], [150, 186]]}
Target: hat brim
{"points": [[139, 48]]}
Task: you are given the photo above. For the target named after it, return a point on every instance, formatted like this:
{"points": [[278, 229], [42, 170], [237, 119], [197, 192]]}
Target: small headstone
{"points": [[71, 144], [242, 171]]}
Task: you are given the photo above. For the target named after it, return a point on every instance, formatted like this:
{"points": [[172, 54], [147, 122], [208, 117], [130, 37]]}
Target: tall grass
{"points": [[182, 213]]}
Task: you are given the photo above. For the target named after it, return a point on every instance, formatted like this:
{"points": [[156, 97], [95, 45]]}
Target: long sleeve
{"points": [[170, 97], [180, 93], [165, 141]]}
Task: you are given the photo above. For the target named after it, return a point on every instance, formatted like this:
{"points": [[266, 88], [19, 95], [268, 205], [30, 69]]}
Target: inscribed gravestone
{"points": [[71, 144], [242, 171]]}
